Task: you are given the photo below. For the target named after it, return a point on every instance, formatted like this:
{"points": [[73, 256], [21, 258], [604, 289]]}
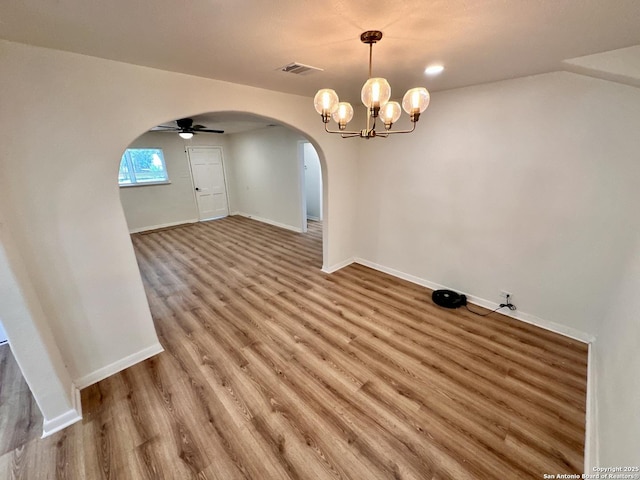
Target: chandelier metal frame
{"points": [[415, 101]]}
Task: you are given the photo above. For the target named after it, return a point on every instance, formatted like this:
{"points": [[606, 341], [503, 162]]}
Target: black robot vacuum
{"points": [[448, 299]]}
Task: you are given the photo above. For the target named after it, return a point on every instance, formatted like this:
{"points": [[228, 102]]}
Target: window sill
{"points": [[145, 184]]}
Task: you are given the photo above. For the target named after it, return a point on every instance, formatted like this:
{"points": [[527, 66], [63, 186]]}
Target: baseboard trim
{"points": [[212, 219], [591, 446], [269, 222], [118, 366], [481, 302], [338, 266], [68, 418], [163, 225]]}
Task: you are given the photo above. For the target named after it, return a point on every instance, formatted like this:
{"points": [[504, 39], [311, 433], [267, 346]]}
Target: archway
{"points": [[262, 174], [63, 208]]}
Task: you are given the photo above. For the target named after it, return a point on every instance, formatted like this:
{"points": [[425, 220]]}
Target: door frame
{"points": [[193, 184], [303, 183], [302, 190]]}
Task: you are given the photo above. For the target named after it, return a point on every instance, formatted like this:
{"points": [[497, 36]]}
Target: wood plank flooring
{"points": [[20, 418], [275, 370]]}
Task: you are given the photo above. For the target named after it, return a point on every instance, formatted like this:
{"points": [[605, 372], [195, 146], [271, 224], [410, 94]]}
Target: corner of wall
{"points": [[338, 266], [591, 446], [71, 416], [115, 367]]}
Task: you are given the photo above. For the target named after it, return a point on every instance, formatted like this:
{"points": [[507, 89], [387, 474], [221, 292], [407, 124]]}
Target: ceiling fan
{"points": [[186, 129]]}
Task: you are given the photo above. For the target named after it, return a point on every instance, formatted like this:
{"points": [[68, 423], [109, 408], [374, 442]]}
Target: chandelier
{"points": [[376, 93]]}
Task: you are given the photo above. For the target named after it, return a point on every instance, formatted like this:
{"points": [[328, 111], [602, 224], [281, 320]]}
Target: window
{"points": [[142, 166]]}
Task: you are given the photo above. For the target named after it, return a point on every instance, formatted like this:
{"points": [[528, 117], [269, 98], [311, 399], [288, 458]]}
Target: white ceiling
{"points": [[246, 41]]}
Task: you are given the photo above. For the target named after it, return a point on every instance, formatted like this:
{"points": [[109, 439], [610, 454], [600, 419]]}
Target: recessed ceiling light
{"points": [[434, 69]]}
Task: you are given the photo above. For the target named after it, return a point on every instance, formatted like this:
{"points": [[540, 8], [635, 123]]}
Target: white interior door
{"points": [[208, 181]]}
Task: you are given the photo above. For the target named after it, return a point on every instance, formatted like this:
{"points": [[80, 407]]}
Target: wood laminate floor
{"points": [[274, 370], [20, 418]]}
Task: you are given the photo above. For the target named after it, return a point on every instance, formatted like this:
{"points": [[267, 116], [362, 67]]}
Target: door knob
{"points": [[197, 189]]}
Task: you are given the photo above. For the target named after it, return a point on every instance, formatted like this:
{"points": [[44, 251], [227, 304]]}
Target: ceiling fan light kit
{"points": [[375, 95]]}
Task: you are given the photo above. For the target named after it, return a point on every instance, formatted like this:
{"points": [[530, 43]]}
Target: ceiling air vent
{"points": [[299, 69]]}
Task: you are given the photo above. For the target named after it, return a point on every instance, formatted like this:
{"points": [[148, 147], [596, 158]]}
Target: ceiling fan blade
{"points": [[168, 127], [198, 127], [198, 130]]}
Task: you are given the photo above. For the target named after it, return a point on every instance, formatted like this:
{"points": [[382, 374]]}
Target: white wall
{"points": [[312, 182], [62, 204], [265, 176], [528, 185], [32, 342], [618, 366], [154, 206]]}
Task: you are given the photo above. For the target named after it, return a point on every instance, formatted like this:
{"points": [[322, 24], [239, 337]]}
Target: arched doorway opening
{"points": [[236, 163], [69, 233]]}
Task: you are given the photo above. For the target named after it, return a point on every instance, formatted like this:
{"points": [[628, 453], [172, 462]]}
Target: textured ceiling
{"points": [[245, 41]]}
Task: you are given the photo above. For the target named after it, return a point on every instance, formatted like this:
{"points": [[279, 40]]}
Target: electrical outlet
{"points": [[504, 295]]}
